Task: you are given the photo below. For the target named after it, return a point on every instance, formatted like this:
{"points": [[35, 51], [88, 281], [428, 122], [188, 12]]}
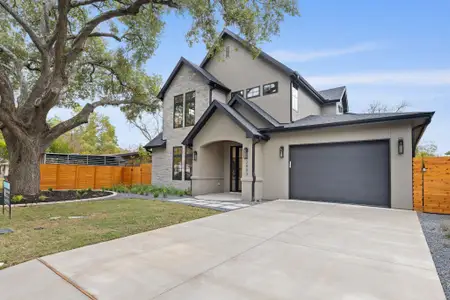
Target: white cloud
{"points": [[399, 77], [293, 56]]}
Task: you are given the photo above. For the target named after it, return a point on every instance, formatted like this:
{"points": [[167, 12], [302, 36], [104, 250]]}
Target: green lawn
{"points": [[105, 220]]}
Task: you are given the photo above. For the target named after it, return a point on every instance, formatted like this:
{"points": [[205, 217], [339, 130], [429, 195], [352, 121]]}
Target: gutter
{"points": [[422, 130]]}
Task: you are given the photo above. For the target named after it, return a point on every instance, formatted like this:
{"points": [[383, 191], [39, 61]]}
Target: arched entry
{"points": [[219, 167]]}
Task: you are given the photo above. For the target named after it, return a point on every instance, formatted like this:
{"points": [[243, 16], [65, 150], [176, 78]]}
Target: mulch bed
{"points": [[55, 196]]}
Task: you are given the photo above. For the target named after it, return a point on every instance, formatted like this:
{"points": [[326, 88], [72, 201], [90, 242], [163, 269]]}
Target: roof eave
{"points": [[347, 123]]}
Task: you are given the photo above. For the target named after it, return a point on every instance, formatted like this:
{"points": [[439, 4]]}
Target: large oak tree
{"points": [[89, 53]]}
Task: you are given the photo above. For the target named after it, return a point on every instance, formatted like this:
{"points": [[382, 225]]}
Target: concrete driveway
{"points": [[277, 250]]}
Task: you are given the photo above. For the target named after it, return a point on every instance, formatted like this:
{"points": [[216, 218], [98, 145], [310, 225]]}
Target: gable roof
{"points": [[298, 79], [250, 130], [255, 108], [333, 94], [316, 121], [213, 81], [157, 142]]}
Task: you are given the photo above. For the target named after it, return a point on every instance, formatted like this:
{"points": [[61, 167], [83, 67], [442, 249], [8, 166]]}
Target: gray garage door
{"points": [[344, 172]]}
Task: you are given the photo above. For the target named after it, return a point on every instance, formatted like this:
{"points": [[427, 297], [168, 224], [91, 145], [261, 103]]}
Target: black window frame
{"points": [[340, 108], [174, 155], [188, 156], [175, 110], [227, 51], [186, 108], [238, 92], [273, 92], [249, 89]]}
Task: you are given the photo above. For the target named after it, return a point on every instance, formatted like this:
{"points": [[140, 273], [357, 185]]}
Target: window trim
{"points": [[185, 108], [173, 162], [236, 92], [259, 92], [186, 155], [276, 86], [182, 106]]}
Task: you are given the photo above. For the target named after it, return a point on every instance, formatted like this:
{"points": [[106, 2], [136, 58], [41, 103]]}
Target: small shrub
{"points": [[155, 194], [79, 194], [164, 192], [89, 190], [188, 192], [17, 199], [50, 189], [103, 189], [181, 193], [42, 198]]}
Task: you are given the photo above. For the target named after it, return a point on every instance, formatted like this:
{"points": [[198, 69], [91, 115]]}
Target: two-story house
{"points": [[236, 123]]}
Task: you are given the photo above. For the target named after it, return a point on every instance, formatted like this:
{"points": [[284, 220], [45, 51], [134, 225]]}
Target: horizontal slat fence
{"points": [[431, 177], [73, 177]]}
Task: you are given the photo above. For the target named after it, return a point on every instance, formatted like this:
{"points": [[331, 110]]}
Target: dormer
{"points": [[336, 101]]}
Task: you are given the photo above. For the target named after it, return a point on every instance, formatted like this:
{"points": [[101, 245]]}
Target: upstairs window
{"points": [[178, 111], [189, 109], [253, 92], [177, 165], [240, 93], [227, 51], [270, 88], [341, 110], [294, 97], [187, 163]]}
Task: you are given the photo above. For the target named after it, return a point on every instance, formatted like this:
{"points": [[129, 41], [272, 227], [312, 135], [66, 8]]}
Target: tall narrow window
{"points": [[294, 95], [187, 163], [177, 165], [189, 109], [178, 111], [227, 51]]}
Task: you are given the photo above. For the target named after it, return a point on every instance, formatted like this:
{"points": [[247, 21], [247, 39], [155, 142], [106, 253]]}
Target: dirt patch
{"points": [[54, 196]]}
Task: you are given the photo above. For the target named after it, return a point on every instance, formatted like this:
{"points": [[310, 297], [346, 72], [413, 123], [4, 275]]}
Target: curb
{"points": [[68, 201]]}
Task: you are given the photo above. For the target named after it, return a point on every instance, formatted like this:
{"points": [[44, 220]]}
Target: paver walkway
{"points": [[277, 250]]}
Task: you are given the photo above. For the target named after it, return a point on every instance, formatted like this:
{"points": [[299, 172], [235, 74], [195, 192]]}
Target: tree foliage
{"points": [[426, 149], [447, 153], [85, 54]]}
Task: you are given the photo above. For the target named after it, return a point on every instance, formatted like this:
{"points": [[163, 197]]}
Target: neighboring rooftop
{"points": [[156, 142]]}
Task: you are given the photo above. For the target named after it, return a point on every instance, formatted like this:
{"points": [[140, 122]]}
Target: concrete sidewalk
{"points": [[277, 250]]}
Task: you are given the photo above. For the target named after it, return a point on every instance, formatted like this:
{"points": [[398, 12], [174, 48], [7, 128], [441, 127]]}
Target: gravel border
{"points": [[439, 246]]}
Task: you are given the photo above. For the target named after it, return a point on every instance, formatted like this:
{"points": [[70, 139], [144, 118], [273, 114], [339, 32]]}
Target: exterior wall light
{"points": [[281, 151], [401, 146], [195, 155], [245, 153]]}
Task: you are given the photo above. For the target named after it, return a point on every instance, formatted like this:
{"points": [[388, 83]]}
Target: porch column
{"points": [[247, 175]]}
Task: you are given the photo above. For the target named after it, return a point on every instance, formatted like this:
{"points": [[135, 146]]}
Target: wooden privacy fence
{"points": [[72, 177], [431, 176]]}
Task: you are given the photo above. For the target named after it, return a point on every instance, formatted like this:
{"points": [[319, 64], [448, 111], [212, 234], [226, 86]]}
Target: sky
{"points": [[382, 51]]}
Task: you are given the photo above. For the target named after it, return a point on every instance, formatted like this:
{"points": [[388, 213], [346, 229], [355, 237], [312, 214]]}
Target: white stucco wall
{"points": [[276, 170]]}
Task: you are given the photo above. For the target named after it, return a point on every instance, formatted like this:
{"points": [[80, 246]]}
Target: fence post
{"points": [[423, 184]]}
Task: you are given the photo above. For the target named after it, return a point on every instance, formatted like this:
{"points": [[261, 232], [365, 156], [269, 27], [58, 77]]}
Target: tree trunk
{"points": [[24, 172]]}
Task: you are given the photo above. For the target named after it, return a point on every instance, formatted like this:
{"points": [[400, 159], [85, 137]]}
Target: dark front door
{"points": [[235, 168], [356, 172]]}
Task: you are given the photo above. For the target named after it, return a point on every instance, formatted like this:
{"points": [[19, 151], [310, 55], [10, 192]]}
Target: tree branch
{"points": [[74, 4], [36, 40], [98, 34], [81, 118], [110, 69], [61, 36], [132, 9]]}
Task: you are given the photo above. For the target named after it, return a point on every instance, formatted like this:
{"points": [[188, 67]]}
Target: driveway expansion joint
{"points": [[67, 279]]}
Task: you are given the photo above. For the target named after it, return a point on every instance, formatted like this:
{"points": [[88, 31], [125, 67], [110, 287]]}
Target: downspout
{"points": [[254, 142]]}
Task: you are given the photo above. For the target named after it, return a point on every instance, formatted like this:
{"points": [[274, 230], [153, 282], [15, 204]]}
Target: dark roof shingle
{"points": [[157, 142], [333, 94]]}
